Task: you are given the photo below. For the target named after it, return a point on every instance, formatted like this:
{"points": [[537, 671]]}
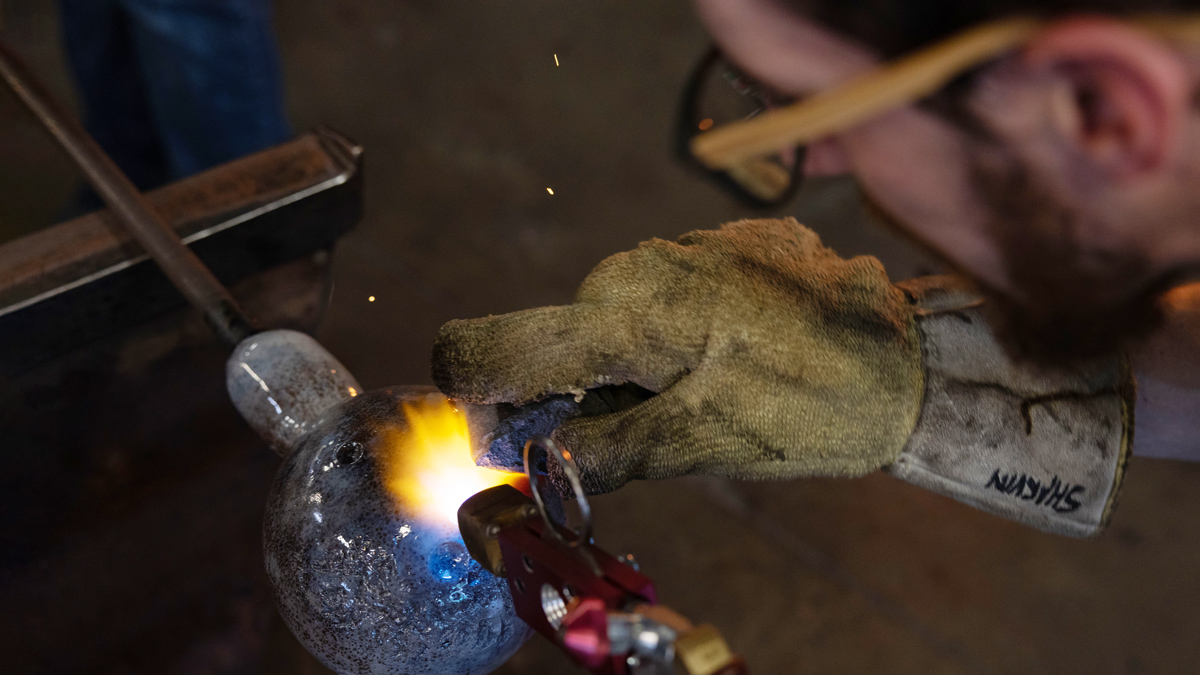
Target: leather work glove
{"points": [[754, 352], [772, 358]]}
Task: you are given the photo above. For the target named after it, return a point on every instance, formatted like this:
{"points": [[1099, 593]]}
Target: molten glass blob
{"points": [[362, 542]]}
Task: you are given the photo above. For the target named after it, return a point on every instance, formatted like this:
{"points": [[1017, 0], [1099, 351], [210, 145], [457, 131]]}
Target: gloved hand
{"points": [[764, 355], [771, 357]]}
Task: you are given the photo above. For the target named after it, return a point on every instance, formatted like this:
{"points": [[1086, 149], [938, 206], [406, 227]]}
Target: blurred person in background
{"points": [[172, 87], [1058, 176]]}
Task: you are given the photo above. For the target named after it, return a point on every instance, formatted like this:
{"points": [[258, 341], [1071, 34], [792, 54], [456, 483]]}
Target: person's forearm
{"points": [[1167, 368]]}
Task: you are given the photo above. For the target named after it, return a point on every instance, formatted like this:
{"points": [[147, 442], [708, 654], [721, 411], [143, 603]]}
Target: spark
{"points": [[549, 190], [370, 298], [706, 124], [353, 391], [556, 59]]}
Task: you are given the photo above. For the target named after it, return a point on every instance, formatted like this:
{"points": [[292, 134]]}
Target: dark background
{"points": [[131, 494]]}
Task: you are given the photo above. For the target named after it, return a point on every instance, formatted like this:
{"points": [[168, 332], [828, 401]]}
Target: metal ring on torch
{"points": [[571, 471]]}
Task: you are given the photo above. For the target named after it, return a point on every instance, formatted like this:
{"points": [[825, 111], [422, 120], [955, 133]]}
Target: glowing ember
{"points": [[430, 463]]}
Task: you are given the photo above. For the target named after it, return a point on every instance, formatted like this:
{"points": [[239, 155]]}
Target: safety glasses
{"points": [[759, 153], [718, 94]]}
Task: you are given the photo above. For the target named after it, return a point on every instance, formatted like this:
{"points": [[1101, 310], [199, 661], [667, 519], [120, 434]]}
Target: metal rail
{"points": [[193, 279]]}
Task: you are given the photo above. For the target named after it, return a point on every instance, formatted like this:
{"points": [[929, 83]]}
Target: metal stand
{"points": [[176, 260]]}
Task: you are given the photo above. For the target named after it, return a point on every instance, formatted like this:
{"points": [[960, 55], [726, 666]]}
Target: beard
{"points": [[1071, 300]]}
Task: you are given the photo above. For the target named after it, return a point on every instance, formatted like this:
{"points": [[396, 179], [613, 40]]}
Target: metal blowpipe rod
{"points": [[130, 207]]}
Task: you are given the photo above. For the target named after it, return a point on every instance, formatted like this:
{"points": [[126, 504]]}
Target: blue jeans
{"points": [[172, 87]]}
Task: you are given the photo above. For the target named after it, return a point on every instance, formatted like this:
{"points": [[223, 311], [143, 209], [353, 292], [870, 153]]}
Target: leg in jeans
{"points": [[116, 111], [212, 77], [172, 87]]}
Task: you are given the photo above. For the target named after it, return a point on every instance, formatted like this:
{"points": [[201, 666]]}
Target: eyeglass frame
{"points": [[687, 128], [890, 86]]}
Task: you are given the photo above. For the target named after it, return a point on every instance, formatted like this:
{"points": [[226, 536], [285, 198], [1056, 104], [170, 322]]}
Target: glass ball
{"points": [[370, 574]]}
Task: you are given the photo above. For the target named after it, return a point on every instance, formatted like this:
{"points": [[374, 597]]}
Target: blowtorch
{"points": [[601, 610]]}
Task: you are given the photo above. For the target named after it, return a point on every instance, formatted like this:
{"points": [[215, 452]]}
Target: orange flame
{"points": [[429, 468]]}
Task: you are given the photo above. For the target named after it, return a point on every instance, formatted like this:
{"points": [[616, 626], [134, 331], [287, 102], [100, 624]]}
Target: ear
{"points": [[1131, 92], [780, 47]]}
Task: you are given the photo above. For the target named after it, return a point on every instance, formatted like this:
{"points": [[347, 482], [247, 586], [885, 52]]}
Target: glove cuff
{"points": [[1045, 447]]}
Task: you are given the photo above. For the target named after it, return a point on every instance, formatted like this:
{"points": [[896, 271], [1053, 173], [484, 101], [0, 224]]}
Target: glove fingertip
{"points": [[597, 473], [450, 363], [514, 358]]}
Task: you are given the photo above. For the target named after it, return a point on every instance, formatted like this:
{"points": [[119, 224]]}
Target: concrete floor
{"points": [[467, 120]]}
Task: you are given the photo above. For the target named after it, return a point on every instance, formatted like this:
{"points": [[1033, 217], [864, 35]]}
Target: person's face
{"points": [[911, 162], [1082, 134]]}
